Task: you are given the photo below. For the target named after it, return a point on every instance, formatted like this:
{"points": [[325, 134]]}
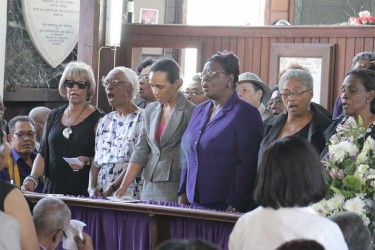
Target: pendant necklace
{"points": [[68, 130]]}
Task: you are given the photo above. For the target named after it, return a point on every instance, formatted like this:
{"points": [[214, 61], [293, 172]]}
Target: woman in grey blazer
{"points": [[158, 149]]}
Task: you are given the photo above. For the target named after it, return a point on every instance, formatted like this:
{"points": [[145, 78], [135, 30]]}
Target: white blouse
{"points": [[268, 228]]}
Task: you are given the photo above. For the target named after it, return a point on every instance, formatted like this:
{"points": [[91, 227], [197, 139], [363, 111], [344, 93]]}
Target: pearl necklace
{"points": [[68, 130]]}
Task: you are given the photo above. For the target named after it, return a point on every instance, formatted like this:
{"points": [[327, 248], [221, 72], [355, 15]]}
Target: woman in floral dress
{"points": [[116, 134]]}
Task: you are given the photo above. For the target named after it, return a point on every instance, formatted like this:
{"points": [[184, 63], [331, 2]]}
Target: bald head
{"points": [[39, 115]]}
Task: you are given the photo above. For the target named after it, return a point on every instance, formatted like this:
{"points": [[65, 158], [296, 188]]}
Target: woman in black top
{"points": [[301, 118], [69, 132]]}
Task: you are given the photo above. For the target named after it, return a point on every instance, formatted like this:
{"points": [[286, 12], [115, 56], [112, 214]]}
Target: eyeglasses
{"points": [[70, 84], [276, 102], [145, 77], [243, 91], [112, 82], [193, 93], [22, 135], [211, 75], [297, 93]]}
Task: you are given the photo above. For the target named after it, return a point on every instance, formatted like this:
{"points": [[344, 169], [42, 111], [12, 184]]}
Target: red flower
{"points": [[371, 19], [354, 21], [363, 20]]}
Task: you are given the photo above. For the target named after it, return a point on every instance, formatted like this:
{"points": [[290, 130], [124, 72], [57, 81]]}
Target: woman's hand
{"points": [[183, 200], [28, 186], [85, 161], [108, 191], [120, 192]]}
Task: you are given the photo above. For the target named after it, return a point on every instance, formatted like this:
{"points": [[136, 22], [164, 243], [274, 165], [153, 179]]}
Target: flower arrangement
{"points": [[364, 18], [349, 168]]}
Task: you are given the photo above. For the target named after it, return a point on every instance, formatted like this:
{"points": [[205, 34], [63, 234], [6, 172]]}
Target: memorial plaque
{"points": [[53, 27]]}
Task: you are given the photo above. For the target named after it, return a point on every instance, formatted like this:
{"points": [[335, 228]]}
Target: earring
{"points": [[367, 101], [228, 85]]}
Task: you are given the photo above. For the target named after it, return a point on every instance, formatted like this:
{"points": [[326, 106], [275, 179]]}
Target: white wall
{"points": [[3, 31]]}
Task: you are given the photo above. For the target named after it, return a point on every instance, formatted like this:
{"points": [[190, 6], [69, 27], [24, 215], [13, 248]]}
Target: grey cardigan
{"points": [[162, 162]]}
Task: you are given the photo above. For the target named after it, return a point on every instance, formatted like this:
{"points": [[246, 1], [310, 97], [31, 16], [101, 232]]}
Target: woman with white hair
{"points": [[116, 134], [301, 118], [69, 132]]}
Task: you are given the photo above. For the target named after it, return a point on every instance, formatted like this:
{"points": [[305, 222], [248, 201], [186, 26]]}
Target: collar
{"points": [[16, 156]]}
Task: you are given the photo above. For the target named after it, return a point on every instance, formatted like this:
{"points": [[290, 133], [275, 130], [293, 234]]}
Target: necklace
{"points": [[68, 130]]}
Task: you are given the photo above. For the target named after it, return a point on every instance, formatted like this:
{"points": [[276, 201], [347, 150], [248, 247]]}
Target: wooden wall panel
{"points": [[252, 44]]}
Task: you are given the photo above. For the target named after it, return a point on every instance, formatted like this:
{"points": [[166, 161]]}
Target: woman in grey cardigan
{"points": [[158, 149]]}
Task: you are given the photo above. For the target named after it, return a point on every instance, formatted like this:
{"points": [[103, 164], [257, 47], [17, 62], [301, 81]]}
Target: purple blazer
{"points": [[220, 157]]}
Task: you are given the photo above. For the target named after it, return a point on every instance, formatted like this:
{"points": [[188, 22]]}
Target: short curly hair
{"points": [[229, 61]]}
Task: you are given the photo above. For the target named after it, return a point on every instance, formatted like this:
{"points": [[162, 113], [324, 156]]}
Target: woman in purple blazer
{"points": [[220, 146]]}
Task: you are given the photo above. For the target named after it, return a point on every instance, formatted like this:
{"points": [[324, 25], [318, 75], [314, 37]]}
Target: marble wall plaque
{"points": [[53, 27]]}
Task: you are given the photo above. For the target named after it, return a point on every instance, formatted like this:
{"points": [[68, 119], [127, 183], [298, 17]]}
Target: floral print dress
{"points": [[114, 143]]}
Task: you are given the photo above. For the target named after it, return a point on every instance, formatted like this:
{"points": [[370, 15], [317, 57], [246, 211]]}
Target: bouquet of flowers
{"points": [[364, 18], [349, 168]]}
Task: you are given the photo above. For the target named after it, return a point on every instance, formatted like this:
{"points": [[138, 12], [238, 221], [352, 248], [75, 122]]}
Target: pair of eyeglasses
{"points": [[70, 84], [144, 77], [243, 91], [22, 135], [193, 93], [297, 93], [106, 83], [211, 75], [276, 102]]}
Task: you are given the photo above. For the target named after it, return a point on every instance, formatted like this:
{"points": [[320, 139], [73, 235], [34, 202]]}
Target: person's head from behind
{"points": [[22, 134], [193, 244], [301, 244], [194, 91], [51, 217], [77, 82], [165, 80], [356, 234], [39, 115], [290, 175], [143, 71], [362, 58], [296, 88], [358, 92], [121, 86], [219, 75]]}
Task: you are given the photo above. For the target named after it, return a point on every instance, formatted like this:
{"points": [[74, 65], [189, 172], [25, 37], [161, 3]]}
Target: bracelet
{"points": [[113, 186], [31, 178]]}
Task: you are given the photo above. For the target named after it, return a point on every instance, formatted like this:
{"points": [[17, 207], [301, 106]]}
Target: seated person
{"points": [[290, 179], [51, 218], [356, 234], [14, 204], [22, 139]]}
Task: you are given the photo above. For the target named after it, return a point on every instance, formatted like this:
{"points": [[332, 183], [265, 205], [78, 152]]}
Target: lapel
{"points": [[174, 121], [154, 122], [228, 106]]}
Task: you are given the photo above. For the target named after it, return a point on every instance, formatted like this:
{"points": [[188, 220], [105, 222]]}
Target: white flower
{"points": [[356, 205], [339, 151], [364, 13], [335, 139], [368, 145], [361, 158], [336, 202]]}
